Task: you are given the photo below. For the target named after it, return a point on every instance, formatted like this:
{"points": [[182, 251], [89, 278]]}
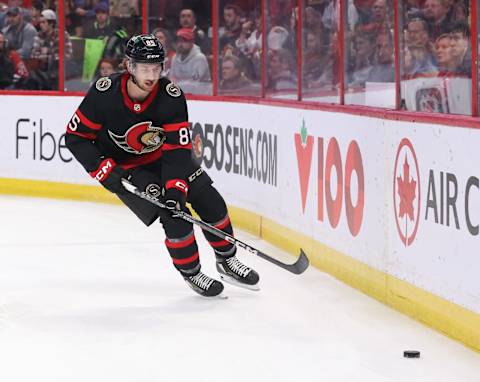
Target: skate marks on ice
{"points": [[111, 307]]}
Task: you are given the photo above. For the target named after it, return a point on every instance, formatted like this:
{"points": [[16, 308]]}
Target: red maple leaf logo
{"points": [[406, 191]]}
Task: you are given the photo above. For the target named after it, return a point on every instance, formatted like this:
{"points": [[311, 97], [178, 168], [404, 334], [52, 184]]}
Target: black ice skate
{"points": [[204, 285], [234, 272]]}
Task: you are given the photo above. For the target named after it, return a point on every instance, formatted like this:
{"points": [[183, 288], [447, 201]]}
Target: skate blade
{"points": [[221, 296], [232, 281]]}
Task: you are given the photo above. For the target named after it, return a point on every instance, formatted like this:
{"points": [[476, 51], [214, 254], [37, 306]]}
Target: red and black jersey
{"points": [[108, 124]]}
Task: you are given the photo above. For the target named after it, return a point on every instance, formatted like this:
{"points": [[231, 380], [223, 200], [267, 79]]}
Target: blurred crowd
{"points": [[30, 41], [434, 41]]}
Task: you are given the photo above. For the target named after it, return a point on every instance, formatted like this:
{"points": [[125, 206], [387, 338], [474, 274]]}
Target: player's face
{"points": [[147, 75]]}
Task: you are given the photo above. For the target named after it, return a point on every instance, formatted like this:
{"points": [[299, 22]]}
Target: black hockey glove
{"points": [[110, 175], [175, 194]]}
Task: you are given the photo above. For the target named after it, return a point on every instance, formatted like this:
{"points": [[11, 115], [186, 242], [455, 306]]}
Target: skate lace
{"points": [[237, 267], [201, 280]]}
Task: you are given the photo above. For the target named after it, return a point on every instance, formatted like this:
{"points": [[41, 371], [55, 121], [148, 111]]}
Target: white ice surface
{"points": [[87, 293]]}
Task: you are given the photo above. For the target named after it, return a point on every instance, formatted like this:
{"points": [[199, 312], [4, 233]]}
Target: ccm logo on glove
{"points": [[179, 184], [104, 170]]}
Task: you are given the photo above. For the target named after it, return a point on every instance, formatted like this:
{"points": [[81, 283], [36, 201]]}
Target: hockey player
{"points": [[134, 125]]}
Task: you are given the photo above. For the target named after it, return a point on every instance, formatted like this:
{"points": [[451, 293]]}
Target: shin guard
{"points": [[222, 247], [184, 254]]}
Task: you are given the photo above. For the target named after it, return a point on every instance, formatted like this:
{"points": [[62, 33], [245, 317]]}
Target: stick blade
{"points": [[129, 186], [301, 264]]}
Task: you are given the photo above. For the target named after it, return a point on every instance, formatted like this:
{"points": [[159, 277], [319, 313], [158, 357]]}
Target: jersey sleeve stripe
{"points": [[87, 122], [169, 147], [83, 135], [171, 127]]}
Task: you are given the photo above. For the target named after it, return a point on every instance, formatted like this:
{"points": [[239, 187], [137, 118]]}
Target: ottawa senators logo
{"points": [[153, 190], [140, 138], [173, 90], [103, 84]]}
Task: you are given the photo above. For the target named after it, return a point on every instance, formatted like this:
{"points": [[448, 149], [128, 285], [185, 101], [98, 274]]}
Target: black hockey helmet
{"points": [[145, 48]]}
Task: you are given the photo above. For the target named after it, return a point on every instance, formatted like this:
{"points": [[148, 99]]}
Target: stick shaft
{"points": [[298, 267]]}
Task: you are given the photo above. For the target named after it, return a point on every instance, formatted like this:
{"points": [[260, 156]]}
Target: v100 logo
{"points": [[332, 195]]}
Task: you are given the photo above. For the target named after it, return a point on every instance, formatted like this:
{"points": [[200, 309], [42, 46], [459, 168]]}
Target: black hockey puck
{"points": [[411, 354]]}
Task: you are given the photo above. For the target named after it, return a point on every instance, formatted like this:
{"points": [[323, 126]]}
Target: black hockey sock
{"points": [[184, 254], [222, 247]]}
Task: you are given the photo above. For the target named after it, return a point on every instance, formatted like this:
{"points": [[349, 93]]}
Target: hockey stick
{"points": [[297, 267]]}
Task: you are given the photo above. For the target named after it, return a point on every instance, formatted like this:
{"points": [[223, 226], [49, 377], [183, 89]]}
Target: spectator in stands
{"points": [[188, 19], [458, 11], [232, 76], [280, 74], [379, 21], [83, 13], [189, 64], [363, 53], [291, 40], [3, 14], [379, 12], [412, 9], [364, 10], [116, 44], [447, 65], [164, 36], [280, 11], [330, 16], [232, 25], [244, 50], [122, 10], [384, 69], [461, 48], [418, 35], [436, 12], [19, 33], [277, 38], [24, 8], [35, 13], [254, 44], [242, 42], [46, 50], [7, 69], [330, 75], [312, 19], [20, 71], [106, 67], [314, 57], [102, 27], [418, 57], [228, 50]]}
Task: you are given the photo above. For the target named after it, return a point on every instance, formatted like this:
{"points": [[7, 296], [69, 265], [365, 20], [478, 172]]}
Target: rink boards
{"points": [[391, 208]]}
